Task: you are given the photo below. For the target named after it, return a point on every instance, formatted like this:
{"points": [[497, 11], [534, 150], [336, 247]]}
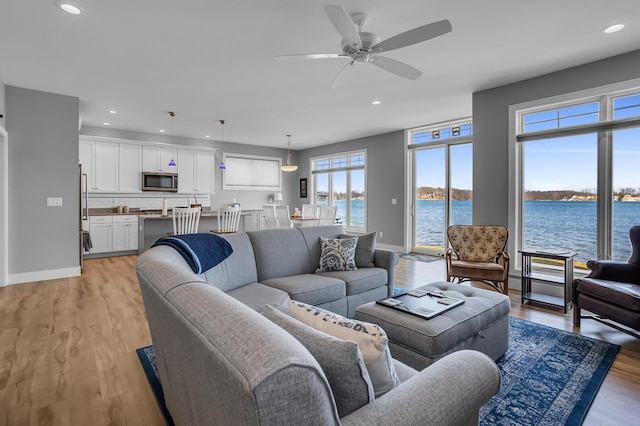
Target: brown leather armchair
{"points": [[477, 254], [611, 290]]}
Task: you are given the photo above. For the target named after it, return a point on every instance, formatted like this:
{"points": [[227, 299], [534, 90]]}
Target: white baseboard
{"points": [[398, 249], [52, 274]]}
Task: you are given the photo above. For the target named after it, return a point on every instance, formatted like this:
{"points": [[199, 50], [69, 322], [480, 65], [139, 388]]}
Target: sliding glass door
{"points": [[442, 189]]}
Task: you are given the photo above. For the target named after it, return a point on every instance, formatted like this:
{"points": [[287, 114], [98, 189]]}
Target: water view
{"points": [[555, 225]]}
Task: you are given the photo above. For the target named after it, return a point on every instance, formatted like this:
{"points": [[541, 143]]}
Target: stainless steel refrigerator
{"points": [[83, 221]]}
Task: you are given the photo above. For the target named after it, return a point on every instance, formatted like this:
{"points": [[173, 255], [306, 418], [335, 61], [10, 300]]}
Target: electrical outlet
{"points": [[380, 234], [54, 201]]}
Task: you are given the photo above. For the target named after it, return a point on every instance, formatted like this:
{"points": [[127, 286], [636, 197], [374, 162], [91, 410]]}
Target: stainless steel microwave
{"points": [[159, 181]]}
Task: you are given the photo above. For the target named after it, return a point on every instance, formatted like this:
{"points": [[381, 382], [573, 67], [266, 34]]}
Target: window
{"points": [[579, 189], [340, 180], [442, 165]]}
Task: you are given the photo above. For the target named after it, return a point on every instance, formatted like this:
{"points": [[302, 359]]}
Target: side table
{"points": [[565, 280]]}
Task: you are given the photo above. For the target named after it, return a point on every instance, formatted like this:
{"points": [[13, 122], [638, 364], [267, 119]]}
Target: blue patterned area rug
{"points": [[150, 366], [420, 257], [549, 377]]}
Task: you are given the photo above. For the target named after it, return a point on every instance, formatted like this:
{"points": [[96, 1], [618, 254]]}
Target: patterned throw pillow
{"points": [[371, 339], [341, 361], [338, 254]]}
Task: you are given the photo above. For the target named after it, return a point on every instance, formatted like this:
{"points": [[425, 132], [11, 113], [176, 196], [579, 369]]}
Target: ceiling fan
{"points": [[362, 47]]}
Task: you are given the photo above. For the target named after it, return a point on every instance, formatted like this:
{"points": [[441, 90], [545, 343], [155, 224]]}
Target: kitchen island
{"points": [[151, 227]]}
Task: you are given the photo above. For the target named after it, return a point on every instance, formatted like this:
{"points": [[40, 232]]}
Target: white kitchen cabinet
{"points": [[125, 233], [205, 167], [129, 168], [187, 177], [100, 162], [100, 230], [196, 171], [156, 159]]}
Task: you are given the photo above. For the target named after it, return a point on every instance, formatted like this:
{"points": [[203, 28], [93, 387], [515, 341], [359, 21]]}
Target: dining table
{"points": [[304, 220]]}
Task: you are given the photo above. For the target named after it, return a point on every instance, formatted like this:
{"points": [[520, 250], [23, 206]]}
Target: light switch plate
{"points": [[54, 201], [394, 201]]}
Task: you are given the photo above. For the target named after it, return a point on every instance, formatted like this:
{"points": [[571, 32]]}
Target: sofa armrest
{"points": [[388, 260], [450, 391], [612, 270]]}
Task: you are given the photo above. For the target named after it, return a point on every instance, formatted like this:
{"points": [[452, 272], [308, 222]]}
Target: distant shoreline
{"points": [[624, 200]]}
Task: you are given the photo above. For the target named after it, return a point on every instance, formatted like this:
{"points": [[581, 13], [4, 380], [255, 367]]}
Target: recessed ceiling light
{"points": [[161, 131], [207, 136], [376, 102], [69, 7], [113, 111], [613, 28], [105, 123]]}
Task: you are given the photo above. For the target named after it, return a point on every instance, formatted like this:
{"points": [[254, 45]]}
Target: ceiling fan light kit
{"points": [[362, 47]]}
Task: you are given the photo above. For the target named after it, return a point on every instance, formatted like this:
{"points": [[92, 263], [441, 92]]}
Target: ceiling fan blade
{"points": [[343, 23], [413, 36], [309, 56], [396, 67], [335, 84]]}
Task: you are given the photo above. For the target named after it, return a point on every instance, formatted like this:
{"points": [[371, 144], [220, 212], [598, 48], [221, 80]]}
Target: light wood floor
{"points": [[67, 349]]}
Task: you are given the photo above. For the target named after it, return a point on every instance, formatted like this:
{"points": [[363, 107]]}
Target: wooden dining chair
{"points": [[228, 220], [185, 220]]}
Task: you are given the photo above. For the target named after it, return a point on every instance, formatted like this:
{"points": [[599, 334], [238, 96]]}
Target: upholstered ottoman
{"points": [[481, 324]]}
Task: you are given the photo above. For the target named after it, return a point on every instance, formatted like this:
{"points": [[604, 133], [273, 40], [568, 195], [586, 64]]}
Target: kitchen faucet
{"points": [[196, 204]]}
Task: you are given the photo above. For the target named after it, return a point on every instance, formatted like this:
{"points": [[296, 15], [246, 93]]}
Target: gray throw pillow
{"points": [[365, 249], [340, 360]]}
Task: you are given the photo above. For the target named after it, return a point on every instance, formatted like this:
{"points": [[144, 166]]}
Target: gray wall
{"points": [[385, 180], [3, 107], [491, 125], [43, 162], [247, 199]]}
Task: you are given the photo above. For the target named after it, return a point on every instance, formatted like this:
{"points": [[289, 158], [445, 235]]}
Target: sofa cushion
{"points": [[312, 234], [256, 296], [360, 280], [340, 360], [238, 269], [365, 249], [338, 254], [621, 294], [371, 339], [280, 253], [310, 288]]}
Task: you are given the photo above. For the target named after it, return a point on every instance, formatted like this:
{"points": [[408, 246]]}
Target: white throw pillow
{"points": [[338, 254], [371, 339]]}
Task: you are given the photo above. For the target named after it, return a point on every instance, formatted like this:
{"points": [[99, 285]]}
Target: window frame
{"points": [[412, 147], [604, 128], [348, 168]]}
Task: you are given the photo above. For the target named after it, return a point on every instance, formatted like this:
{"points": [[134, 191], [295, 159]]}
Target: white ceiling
{"points": [[210, 60]]}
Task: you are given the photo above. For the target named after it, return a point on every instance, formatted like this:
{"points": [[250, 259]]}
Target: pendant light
{"points": [[172, 114], [222, 166], [289, 167]]}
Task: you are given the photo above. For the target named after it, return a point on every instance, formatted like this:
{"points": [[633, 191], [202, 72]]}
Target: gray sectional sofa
{"points": [[271, 266], [221, 361]]}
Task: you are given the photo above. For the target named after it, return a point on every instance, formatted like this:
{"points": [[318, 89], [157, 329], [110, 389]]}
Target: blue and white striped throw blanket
{"points": [[201, 251]]}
